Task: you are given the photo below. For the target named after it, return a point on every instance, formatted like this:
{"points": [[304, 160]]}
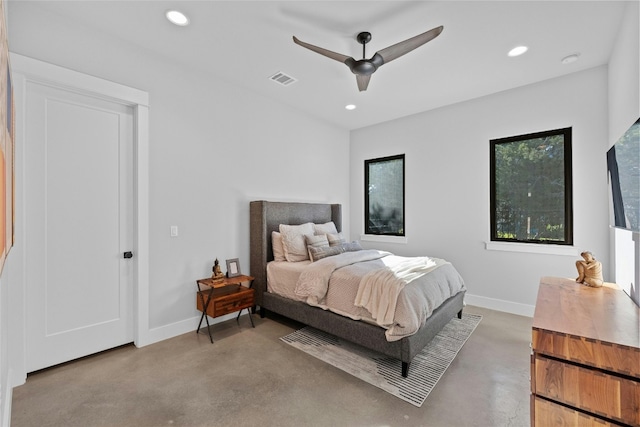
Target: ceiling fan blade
{"points": [[397, 50], [330, 54], [363, 82]]}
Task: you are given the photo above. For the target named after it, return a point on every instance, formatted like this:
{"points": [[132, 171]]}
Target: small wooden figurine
{"points": [[589, 270], [217, 271]]}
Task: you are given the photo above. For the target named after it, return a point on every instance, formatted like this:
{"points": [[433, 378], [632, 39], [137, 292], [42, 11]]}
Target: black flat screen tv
{"points": [[623, 164]]}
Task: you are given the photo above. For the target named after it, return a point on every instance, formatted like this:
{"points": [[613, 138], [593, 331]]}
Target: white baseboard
{"points": [[500, 305], [7, 395], [178, 328], [189, 325]]}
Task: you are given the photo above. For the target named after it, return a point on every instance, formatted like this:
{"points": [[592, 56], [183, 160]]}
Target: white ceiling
{"points": [[245, 42]]}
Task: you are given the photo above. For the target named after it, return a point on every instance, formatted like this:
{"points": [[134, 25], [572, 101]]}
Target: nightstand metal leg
{"points": [[250, 318], [205, 306]]}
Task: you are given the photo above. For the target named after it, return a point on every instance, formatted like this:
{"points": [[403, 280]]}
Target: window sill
{"points": [[532, 248], [383, 239]]}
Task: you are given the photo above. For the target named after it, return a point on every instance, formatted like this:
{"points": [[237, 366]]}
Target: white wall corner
{"points": [[500, 305], [186, 326]]}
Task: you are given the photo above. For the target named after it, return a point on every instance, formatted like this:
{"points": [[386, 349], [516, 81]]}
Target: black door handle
{"points": [[128, 254]]}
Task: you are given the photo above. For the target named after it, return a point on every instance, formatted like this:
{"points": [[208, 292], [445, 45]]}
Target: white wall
{"points": [[199, 126], [447, 181], [213, 148], [624, 109]]}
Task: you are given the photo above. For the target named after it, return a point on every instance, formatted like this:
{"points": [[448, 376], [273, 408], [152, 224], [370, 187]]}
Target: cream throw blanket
{"points": [[379, 289], [313, 283]]}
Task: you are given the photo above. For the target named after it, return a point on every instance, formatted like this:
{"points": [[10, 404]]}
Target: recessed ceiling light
{"points": [[517, 51], [177, 18], [350, 107], [570, 58]]}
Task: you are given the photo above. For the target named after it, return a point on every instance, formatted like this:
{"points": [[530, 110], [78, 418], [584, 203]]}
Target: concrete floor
{"points": [[249, 377]]}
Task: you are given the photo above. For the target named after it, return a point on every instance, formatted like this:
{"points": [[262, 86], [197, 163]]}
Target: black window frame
{"points": [[367, 163], [568, 186]]}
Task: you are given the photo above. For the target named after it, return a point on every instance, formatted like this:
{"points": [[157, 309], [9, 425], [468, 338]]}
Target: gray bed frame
{"points": [[267, 217]]}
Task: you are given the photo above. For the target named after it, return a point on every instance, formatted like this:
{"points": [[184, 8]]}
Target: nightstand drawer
{"points": [[230, 303]]}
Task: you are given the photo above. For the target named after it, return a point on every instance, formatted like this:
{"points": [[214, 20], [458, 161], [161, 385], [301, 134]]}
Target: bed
{"points": [[265, 218]]}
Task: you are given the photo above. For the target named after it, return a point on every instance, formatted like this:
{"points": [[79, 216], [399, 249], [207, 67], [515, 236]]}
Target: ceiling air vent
{"points": [[282, 78]]}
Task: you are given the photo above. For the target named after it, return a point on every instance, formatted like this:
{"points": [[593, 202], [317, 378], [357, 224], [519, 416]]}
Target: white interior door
{"points": [[78, 222]]}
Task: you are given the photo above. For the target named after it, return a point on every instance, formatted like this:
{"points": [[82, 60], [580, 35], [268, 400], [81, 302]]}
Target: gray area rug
{"points": [[384, 372]]}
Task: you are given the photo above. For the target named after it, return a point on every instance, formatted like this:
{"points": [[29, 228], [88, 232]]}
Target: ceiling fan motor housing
{"points": [[365, 67]]}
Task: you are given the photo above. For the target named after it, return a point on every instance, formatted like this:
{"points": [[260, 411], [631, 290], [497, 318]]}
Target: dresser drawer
{"points": [[610, 357], [549, 414], [229, 303], [603, 394]]}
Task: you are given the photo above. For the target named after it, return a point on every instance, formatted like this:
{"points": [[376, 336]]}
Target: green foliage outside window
{"points": [[384, 196], [531, 188]]}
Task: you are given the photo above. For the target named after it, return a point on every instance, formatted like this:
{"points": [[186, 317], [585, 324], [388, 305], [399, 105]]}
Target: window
{"points": [[531, 199], [384, 196], [623, 163]]}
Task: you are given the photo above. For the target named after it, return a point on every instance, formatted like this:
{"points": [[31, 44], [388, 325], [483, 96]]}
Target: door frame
{"points": [[25, 70]]}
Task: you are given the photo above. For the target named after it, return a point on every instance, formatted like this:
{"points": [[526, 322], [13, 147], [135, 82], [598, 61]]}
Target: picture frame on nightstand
{"points": [[233, 268]]}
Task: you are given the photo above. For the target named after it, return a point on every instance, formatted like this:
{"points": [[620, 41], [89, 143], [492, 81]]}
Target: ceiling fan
{"points": [[364, 68]]}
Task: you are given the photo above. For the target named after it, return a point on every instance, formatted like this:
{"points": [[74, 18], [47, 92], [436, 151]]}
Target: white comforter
{"points": [[397, 293]]}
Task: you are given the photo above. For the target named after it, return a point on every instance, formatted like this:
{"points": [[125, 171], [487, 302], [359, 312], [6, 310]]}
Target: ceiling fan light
{"points": [[517, 51], [177, 18], [350, 107]]}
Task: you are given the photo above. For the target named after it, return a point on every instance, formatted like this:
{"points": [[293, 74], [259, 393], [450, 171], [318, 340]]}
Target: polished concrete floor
{"points": [[249, 377]]}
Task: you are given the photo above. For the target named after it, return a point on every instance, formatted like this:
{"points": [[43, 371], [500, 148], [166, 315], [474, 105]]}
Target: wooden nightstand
{"points": [[217, 298]]}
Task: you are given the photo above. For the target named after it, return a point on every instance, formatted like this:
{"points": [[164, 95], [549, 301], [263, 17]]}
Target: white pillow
{"points": [[276, 244], [326, 228], [295, 247]]}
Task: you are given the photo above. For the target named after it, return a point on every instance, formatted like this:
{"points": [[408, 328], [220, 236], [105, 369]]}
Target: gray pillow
{"points": [[317, 240], [351, 247], [336, 239], [318, 253]]}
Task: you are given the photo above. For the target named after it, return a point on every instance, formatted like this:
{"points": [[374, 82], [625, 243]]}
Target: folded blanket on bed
{"points": [[313, 283], [379, 289]]}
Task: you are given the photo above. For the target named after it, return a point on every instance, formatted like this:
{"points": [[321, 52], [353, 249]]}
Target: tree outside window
{"points": [[531, 188], [384, 196]]}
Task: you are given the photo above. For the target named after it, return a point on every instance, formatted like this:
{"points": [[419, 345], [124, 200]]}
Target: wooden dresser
{"points": [[585, 364]]}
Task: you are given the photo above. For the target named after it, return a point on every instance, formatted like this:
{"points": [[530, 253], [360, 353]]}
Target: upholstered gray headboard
{"points": [[266, 217]]}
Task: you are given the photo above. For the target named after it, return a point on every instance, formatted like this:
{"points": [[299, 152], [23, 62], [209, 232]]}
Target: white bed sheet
{"points": [[282, 277]]}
